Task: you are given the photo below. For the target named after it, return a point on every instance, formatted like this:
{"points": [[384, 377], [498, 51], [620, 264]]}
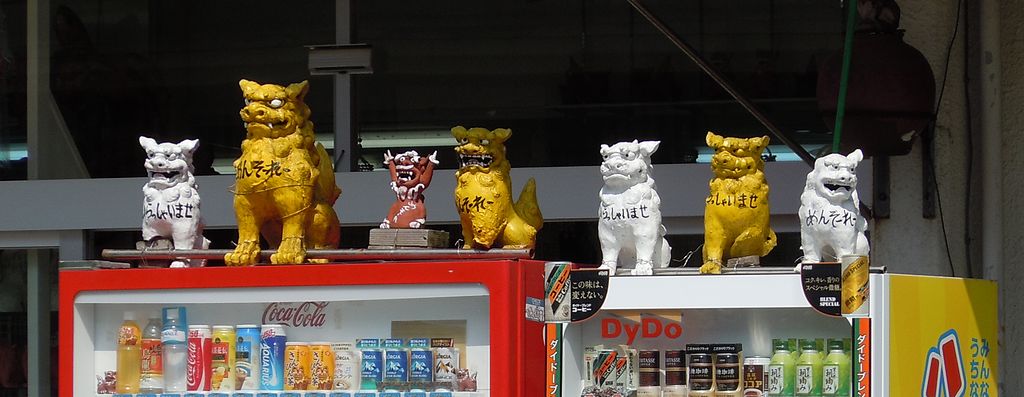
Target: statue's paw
{"points": [[292, 251], [610, 266], [642, 271], [643, 268], [245, 254], [711, 267], [318, 260]]}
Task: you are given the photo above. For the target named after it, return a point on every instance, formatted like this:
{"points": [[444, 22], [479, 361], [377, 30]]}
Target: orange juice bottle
{"points": [[129, 355]]}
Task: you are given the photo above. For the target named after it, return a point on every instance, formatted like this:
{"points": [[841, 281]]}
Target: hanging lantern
{"points": [[891, 89]]}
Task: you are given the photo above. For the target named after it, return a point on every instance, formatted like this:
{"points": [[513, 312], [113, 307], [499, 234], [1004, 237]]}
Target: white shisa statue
{"points": [[171, 198], [629, 221], [830, 223]]}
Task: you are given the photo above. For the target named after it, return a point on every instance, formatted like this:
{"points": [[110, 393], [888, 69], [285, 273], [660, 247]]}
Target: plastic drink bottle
{"points": [[129, 355], [809, 370], [152, 379], [174, 341], [781, 370], [836, 371]]}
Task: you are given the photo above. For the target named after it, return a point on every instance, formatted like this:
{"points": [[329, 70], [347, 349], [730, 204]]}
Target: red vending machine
{"points": [[489, 310]]}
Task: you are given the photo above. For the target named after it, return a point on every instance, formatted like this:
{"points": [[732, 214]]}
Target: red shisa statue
{"points": [[410, 176]]}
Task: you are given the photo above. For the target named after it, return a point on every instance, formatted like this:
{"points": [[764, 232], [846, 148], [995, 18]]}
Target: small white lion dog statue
{"points": [[830, 222], [171, 204], [629, 222]]}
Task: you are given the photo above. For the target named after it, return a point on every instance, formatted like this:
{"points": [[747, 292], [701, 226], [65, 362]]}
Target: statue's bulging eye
{"points": [[485, 142], [276, 103]]}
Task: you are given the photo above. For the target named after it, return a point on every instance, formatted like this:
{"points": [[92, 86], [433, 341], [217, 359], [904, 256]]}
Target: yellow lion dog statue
{"points": [[284, 181], [736, 210], [483, 195]]}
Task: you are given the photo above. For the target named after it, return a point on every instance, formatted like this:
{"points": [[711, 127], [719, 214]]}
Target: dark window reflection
{"points": [[567, 76], [170, 70], [13, 141]]}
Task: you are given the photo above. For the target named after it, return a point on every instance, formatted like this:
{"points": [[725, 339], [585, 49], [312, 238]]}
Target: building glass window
{"points": [[583, 73], [170, 70], [13, 53]]}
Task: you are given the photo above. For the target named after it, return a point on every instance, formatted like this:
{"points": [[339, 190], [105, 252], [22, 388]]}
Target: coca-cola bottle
{"points": [[173, 339]]}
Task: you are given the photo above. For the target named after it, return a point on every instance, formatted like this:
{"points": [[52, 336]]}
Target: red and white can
{"points": [[198, 359]]}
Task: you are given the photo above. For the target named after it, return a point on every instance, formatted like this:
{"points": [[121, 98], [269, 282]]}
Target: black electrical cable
{"points": [[938, 105]]}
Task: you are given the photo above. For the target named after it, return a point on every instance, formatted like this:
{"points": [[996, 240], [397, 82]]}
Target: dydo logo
{"points": [[649, 327], [295, 314], [944, 368]]}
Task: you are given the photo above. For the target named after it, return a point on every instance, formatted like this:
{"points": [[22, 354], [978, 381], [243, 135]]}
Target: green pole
{"points": [[851, 23]]}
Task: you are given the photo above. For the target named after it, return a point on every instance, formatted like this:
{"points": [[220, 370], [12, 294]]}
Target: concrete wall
{"points": [[929, 27], [908, 243], [1012, 57]]}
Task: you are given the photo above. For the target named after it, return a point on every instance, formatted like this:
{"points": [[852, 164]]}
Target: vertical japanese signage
{"points": [[944, 332], [553, 366], [862, 357]]}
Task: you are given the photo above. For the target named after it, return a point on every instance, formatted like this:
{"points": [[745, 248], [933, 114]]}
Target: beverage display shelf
{"points": [[483, 302]]}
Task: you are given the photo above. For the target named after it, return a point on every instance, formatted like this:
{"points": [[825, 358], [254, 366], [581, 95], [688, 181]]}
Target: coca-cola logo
{"points": [[191, 377], [295, 314]]}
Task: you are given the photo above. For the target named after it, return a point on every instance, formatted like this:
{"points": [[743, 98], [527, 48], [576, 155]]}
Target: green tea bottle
{"points": [[794, 348], [781, 370], [836, 377], [808, 369]]}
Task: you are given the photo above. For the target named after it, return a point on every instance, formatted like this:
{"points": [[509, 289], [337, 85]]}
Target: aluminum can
{"points": [[198, 368], [372, 368], [421, 365], [396, 364], [272, 346], [297, 363], [755, 376], [346, 366], [247, 353], [321, 367], [223, 362]]}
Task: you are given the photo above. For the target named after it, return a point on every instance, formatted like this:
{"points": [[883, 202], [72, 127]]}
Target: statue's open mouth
{"points": [[404, 176], [835, 187], [164, 174], [479, 160]]}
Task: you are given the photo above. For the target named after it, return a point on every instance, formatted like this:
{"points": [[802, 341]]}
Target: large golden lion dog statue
{"points": [[736, 211], [483, 195], [284, 181]]}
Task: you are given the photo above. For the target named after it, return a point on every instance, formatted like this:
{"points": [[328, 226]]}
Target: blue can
{"points": [[373, 361], [272, 344], [247, 355], [397, 364], [421, 365]]}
